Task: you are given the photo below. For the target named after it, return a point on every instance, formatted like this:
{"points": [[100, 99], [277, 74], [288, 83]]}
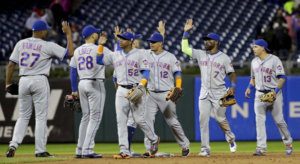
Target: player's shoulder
{"points": [[274, 57]]}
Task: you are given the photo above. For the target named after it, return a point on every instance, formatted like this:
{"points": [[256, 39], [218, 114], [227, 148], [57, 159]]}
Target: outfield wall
{"points": [[63, 125]]}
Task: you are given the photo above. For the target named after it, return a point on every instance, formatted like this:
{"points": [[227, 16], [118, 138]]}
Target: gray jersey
{"points": [[127, 66], [84, 60], [162, 69], [266, 71], [214, 68], [34, 56]]}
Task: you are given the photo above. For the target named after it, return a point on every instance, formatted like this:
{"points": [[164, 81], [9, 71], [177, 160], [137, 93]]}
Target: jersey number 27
{"points": [[26, 56]]}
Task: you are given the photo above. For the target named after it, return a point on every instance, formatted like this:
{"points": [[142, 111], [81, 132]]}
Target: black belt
{"points": [[265, 91], [92, 79], [158, 91], [128, 86]]}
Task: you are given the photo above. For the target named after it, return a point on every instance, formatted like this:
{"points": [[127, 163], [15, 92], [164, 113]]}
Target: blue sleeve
{"points": [[66, 55], [99, 60], [177, 73], [74, 79], [145, 74], [115, 79], [118, 46], [281, 77]]}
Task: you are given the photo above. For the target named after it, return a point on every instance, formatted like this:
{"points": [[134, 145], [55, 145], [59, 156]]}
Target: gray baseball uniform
{"points": [[214, 68], [265, 73], [91, 94], [34, 57], [127, 69], [161, 81]]}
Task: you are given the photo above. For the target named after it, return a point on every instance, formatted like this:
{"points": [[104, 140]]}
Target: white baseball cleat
{"points": [[204, 153], [233, 147]]}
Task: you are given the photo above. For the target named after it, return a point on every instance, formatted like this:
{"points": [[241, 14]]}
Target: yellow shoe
{"points": [[121, 156]]}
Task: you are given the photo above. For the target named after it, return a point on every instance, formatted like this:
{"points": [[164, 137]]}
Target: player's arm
{"points": [[74, 82], [145, 77], [67, 30], [185, 48], [178, 79], [232, 77], [250, 86], [281, 81], [161, 28], [9, 72]]}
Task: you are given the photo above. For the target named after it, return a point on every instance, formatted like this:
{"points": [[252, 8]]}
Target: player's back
{"points": [[85, 61], [35, 56]]}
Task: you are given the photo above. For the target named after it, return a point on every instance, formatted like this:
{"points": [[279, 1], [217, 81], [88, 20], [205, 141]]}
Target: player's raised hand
{"points": [[66, 27], [103, 38], [188, 25], [161, 28], [248, 91], [117, 32], [129, 30]]}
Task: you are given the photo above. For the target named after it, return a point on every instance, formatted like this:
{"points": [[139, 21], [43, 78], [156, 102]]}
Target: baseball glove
{"points": [[174, 94], [268, 97], [13, 89], [72, 103], [135, 94], [227, 100]]}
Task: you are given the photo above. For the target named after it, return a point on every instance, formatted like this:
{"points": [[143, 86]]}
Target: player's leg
{"points": [[96, 100], [41, 94], [150, 112], [131, 126], [260, 109], [204, 109], [220, 116], [122, 111], [277, 115], [138, 111], [25, 111], [84, 118], [168, 108]]}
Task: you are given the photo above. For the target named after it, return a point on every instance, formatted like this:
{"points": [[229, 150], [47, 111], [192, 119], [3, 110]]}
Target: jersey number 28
{"points": [[85, 62]]}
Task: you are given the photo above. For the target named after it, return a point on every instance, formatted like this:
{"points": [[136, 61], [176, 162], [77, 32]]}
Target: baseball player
{"points": [[91, 91], [131, 125], [214, 66], [267, 75], [34, 57], [164, 70], [131, 69]]}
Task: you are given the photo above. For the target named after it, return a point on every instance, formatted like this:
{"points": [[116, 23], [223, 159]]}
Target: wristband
{"points": [[277, 90], [185, 34], [233, 84], [250, 86]]}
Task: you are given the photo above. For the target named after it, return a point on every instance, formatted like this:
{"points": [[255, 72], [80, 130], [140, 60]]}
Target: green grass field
{"points": [[26, 151]]}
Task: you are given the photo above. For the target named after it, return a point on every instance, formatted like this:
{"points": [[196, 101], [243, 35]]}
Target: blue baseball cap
{"points": [[89, 30], [137, 36], [262, 43], [127, 36], [212, 36], [40, 25], [156, 37]]}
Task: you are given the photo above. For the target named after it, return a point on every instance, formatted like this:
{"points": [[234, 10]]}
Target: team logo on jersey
{"points": [[145, 62], [279, 67], [177, 63]]}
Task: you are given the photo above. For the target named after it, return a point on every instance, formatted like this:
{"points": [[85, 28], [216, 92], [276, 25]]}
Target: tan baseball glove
{"points": [[268, 97], [135, 94], [227, 100], [174, 94]]}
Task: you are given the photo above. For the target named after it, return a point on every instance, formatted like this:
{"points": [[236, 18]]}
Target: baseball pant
{"points": [[206, 106], [168, 109], [130, 121], [92, 99], [36, 90], [123, 107], [275, 108]]}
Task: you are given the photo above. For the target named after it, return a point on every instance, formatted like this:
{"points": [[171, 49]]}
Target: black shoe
{"points": [[78, 156], [45, 154], [185, 152], [148, 155], [10, 151]]}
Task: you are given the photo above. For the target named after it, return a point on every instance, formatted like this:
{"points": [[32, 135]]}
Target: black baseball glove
{"points": [[174, 94], [13, 89], [72, 103]]}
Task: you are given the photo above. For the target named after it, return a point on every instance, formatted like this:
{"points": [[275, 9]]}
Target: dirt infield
{"points": [[236, 158]]}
